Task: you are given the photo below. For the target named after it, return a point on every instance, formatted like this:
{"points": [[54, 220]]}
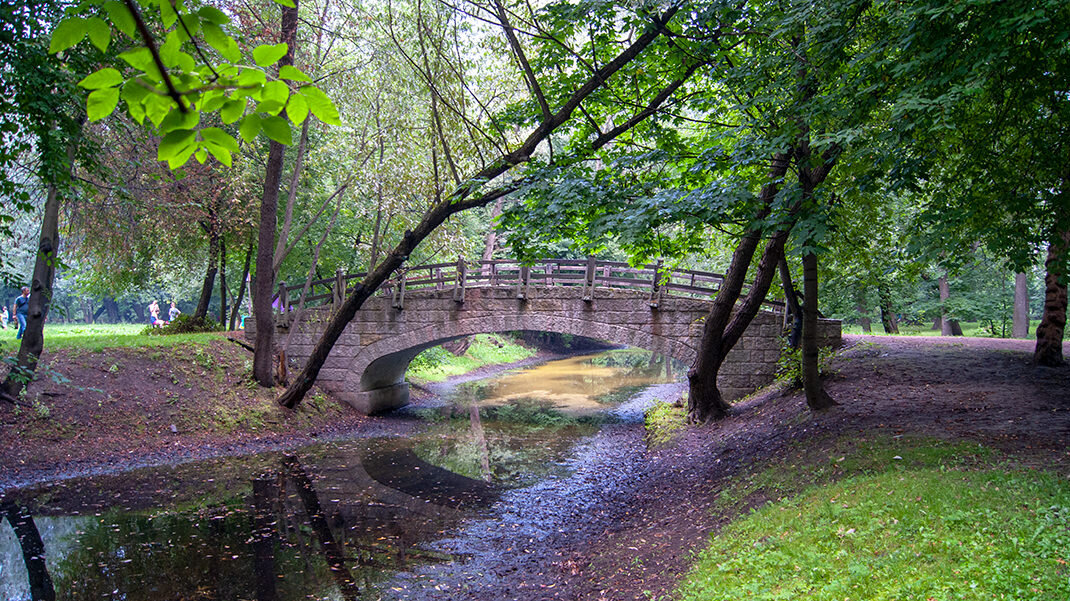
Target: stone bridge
{"points": [[650, 308]]}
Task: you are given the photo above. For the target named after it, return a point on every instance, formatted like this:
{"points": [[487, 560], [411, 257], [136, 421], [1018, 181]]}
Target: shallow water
{"points": [[328, 521]]}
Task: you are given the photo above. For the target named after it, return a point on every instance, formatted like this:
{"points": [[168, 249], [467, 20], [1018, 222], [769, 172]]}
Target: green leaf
{"points": [[175, 143], [266, 55], [250, 127], [120, 16], [99, 33], [201, 155], [101, 103], [321, 106], [220, 138], [171, 49], [140, 59], [297, 109], [232, 111], [221, 42], [271, 107], [176, 119], [293, 74], [278, 129], [211, 101], [213, 15], [252, 77], [277, 91], [286, 3], [157, 108], [167, 13], [104, 78], [134, 95], [221, 154], [67, 34]]}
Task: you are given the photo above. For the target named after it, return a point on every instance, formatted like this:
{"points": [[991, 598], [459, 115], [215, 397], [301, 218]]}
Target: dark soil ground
{"points": [[625, 525]]}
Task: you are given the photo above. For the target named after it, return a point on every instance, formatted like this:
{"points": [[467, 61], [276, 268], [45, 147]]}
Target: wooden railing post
{"points": [[522, 285], [339, 295], [588, 279], [462, 273], [437, 276], [656, 286]]}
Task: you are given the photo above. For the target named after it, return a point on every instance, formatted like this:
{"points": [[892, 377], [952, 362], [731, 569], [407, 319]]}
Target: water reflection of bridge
{"points": [[652, 308]]}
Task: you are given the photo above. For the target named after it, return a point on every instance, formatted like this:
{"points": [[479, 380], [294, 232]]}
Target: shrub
{"points": [[186, 324]]}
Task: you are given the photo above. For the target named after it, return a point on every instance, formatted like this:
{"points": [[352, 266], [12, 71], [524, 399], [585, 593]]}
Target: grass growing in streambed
{"points": [[893, 519], [96, 337], [436, 364]]}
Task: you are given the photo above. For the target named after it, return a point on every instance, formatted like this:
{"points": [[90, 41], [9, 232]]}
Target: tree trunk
{"points": [[33, 551], [223, 282], [139, 312], [113, 309], [264, 346], [1020, 327], [704, 401], [209, 274], [490, 242], [948, 326], [863, 313], [87, 310], [241, 288], [792, 300], [333, 552], [264, 537], [44, 274], [816, 396], [1049, 348], [103, 308], [888, 318]]}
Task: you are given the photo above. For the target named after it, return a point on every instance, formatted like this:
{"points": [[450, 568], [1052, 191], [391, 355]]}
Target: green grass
{"points": [[970, 329], [97, 337], [437, 364], [892, 519], [663, 422]]}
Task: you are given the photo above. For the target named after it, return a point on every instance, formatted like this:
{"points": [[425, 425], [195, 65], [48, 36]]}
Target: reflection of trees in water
{"points": [[271, 540], [33, 550]]}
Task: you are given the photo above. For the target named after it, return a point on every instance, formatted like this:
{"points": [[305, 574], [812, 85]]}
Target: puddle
{"points": [[328, 521]]}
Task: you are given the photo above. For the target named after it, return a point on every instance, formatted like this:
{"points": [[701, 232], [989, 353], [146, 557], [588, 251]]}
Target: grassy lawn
{"points": [[974, 329], [893, 519], [95, 337]]}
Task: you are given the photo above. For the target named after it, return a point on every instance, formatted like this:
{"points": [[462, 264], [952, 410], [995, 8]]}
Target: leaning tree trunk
{"points": [[1049, 348], [44, 274], [33, 550], [1020, 324], [704, 400], [816, 396], [112, 308], [209, 275], [264, 345]]}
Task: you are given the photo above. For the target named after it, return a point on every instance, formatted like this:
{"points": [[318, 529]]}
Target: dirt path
{"points": [[628, 520]]}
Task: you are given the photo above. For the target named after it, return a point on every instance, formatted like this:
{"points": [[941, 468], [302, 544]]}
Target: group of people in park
{"points": [[154, 314], [20, 308]]}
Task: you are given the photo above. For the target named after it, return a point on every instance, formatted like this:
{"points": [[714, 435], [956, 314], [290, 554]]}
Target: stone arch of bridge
{"points": [[381, 365]]}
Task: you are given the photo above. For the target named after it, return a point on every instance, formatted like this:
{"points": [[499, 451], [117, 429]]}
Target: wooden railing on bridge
{"points": [[462, 275]]}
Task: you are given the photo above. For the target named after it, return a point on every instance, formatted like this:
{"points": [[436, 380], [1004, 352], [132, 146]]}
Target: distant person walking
{"points": [[22, 309], [173, 312], [4, 316]]}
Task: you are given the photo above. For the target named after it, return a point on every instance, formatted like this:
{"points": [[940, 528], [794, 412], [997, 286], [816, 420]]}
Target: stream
{"points": [[496, 470]]}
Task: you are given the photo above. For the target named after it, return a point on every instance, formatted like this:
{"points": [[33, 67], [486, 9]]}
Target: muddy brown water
{"points": [[349, 519]]}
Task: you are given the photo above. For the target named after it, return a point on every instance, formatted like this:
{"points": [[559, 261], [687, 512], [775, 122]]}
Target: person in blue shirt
{"points": [[22, 309]]}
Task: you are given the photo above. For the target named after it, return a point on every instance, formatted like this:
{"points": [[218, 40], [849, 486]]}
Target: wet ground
{"points": [[464, 478]]}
